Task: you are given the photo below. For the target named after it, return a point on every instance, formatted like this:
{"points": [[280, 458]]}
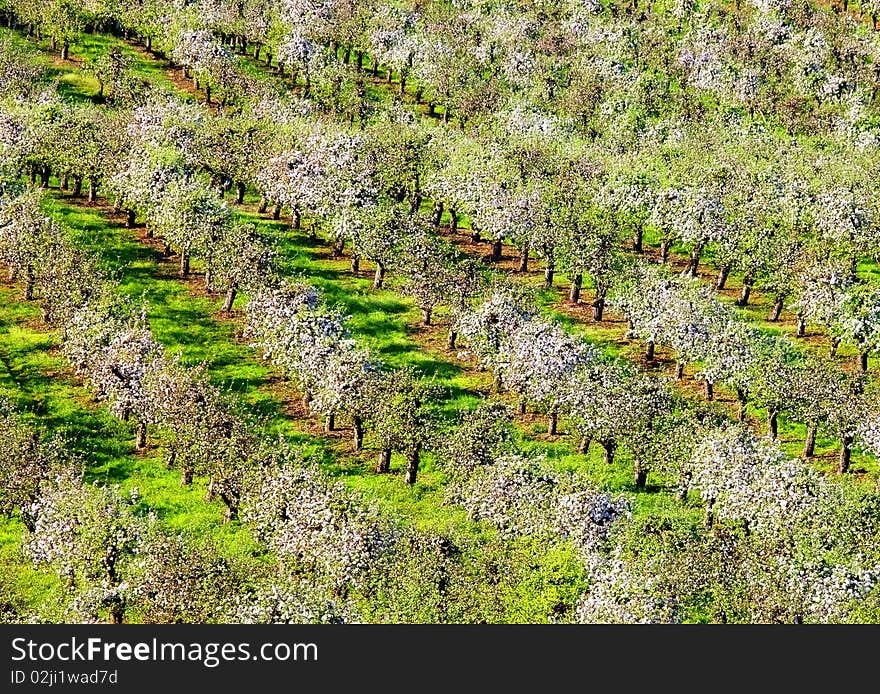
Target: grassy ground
{"points": [[188, 321], [71, 76]]}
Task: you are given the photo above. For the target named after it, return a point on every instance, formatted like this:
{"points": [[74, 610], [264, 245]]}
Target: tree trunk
{"points": [[709, 515], [637, 239], [548, 275], [355, 265], [810, 441], [438, 215], [574, 294], [338, 245], [598, 308], [426, 316], [801, 326], [649, 351], [306, 400], [239, 193], [77, 186], [453, 220], [379, 278], [229, 300], [741, 399], [694, 261], [65, 50], [723, 274], [497, 383], [496, 250], [584, 446], [863, 361], [845, 454], [684, 484], [412, 466], [358, 425], [29, 283], [384, 462], [835, 343], [184, 264], [709, 390], [664, 250], [330, 423], [679, 371], [641, 476], [276, 212], [129, 219], [231, 506], [62, 184], [264, 204], [451, 339], [117, 609], [610, 445], [746, 292], [772, 424], [524, 259], [777, 310], [140, 441], [415, 204], [552, 423], [186, 476]]}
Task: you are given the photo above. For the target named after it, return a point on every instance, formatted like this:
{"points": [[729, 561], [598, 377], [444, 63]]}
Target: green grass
{"points": [[33, 376], [382, 319], [386, 322], [72, 82], [186, 321], [189, 325]]}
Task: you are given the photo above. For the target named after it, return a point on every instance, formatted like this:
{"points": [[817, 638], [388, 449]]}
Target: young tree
{"points": [[191, 218], [117, 370], [316, 525], [241, 259], [27, 460], [182, 580], [91, 536], [479, 437], [404, 419], [539, 363], [292, 601], [859, 321]]}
